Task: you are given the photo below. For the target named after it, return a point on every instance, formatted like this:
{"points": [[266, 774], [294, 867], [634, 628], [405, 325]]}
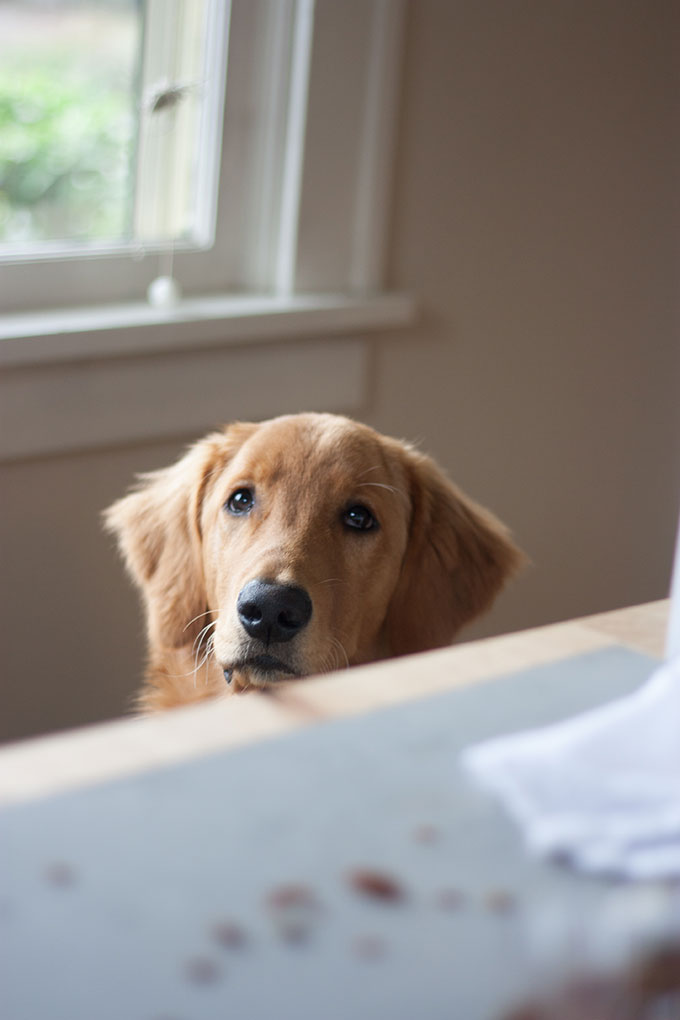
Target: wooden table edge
{"points": [[79, 758]]}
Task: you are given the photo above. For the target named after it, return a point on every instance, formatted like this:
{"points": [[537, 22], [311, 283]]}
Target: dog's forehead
{"points": [[305, 446]]}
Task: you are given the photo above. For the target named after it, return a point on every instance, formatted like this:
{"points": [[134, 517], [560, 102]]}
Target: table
{"points": [[64, 761], [317, 852]]}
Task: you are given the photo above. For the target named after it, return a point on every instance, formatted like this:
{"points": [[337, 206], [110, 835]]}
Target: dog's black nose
{"points": [[273, 612]]}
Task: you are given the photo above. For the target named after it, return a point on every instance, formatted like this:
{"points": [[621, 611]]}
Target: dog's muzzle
{"points": [[271, 614]]}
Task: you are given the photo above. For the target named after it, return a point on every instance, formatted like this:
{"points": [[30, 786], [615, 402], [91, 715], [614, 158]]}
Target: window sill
{"points": [[87, 379], [201, 322]]}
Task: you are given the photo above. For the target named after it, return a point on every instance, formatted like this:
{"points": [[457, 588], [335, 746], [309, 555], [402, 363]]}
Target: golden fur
{"points": [[432, 562]]}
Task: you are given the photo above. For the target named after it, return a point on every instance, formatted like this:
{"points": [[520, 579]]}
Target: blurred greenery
{"points": [[66, 151]]}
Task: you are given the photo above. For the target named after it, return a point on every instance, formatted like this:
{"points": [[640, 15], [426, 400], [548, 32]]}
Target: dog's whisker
{"points": [[334, 661], [203, 635], [206, 655], [201, 656], [344, 654], [178, 676], [209, 651], [183, 676], [383, 485], [198, 640], [199, 617]]}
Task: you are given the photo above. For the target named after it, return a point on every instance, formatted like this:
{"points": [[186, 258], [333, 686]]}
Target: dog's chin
{"points": [[259, 671]]}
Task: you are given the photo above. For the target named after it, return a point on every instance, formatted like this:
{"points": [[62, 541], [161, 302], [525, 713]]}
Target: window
{"points": [[296, 193], [67, 77], [279, 237], [110, 124]]}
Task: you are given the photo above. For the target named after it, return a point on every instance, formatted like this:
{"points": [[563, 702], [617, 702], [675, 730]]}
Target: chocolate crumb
{"points": [[376, 884], [201, 970], [426, 834], [228, 935], [293, 909], [528, 1012], [369, 947], [288, 897], [658, 972], [500, 901], [60, 874]]}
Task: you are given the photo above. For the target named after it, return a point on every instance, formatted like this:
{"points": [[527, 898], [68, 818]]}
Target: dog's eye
{"points": [[241, 501], [360, 518]]}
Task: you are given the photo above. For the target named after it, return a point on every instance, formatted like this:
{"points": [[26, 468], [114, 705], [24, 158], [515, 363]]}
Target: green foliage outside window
{"points": [[67, 136]]}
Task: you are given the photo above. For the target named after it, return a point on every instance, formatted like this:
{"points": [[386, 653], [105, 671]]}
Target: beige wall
{"points": [[536, 216]]}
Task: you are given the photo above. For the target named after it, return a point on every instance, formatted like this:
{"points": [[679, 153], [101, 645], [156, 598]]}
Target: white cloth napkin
{"points": [[601, 790]]}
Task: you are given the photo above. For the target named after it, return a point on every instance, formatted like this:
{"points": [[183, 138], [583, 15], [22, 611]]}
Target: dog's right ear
{"points": [[458, 558], [159, 535]]}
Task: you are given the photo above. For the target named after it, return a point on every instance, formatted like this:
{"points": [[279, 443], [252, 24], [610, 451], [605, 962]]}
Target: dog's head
{"points": [[305, 544]]}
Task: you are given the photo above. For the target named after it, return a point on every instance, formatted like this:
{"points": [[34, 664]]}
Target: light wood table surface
{"points": [[63, 761]]}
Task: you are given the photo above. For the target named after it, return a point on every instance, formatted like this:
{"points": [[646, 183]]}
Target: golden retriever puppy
{"points": [[300, 545]]}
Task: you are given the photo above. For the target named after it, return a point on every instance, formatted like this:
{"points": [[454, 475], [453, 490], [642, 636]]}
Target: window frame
{"points": [[274, 168], [182, 47], [68, 366]]}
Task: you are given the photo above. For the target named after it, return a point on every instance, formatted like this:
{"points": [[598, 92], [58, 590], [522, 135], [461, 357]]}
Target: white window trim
{"points": [[92, 334], [171, 59], [51, 355], [295, 214]]}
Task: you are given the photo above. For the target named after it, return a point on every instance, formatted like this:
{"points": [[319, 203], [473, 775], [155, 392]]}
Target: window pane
{"points": [[184, 65], [68, 120]]}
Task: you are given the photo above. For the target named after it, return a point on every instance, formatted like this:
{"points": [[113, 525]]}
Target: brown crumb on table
{"points": [[201, 970], [228, 935], [529, 1012], [289, 897], [376, 885], [426, 834], [60, 874], [293, 909], [657, 973], [592, 997], [500, 901]]}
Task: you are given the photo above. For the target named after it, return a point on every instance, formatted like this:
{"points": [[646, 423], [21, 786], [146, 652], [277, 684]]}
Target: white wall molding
{"points": [[88, 334], [80, 379], [69, 407]]}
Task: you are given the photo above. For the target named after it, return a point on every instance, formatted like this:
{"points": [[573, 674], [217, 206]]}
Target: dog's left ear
{"points": [[457, 560], [158, 532]]}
